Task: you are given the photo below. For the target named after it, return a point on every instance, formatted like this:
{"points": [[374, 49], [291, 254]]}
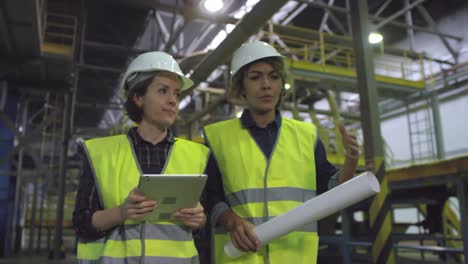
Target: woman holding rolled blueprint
{"points": [[109, 210], [267, 164]]}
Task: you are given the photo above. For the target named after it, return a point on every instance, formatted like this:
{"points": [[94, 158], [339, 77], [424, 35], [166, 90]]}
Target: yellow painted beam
{"points": [[444, 167], [351, 72], [378, 202], [391, 258], [56, 49], [382, 238]]}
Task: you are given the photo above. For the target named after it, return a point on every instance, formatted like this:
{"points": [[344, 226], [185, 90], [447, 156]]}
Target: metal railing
{"points": [[327, 54]]}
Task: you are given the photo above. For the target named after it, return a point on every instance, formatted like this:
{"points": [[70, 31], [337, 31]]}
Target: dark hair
{"points": [[237, 83], [134, 112]]}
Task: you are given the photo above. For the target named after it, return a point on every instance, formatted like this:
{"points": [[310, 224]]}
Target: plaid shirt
{"points": [[151, 158]]}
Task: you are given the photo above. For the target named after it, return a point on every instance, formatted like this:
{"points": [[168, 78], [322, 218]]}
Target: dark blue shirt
{"points": [[265, 138]]}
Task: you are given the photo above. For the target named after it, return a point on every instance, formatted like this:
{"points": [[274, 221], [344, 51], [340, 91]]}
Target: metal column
{"points": [[462, 184], [439, 139], [8, 112], [409, 21], [380, 226], [62, 176], [366, 81], [346, 221], [67, 125]]}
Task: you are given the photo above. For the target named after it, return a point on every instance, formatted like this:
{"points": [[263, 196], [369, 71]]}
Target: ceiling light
{"points": [[287, 86], [375, 38], [213, 5]]}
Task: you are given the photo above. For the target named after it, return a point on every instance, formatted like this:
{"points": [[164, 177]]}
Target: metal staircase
{"points": [[59, 31]]}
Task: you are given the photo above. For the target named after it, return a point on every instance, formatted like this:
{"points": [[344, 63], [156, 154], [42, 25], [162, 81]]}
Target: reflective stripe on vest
{"points": [[260, 220], [117, 172], [273, 194], [136, 260], [258, 189], [155, 231]]}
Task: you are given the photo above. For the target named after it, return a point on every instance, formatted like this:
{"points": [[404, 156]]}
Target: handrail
{"points": [[323, 52]]}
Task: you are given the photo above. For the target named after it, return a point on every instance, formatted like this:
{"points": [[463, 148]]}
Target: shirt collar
{"points": [[248, 122], [133, 133]]}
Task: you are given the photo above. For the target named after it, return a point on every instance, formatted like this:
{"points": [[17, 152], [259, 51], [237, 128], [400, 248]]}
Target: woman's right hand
{"points": [[136, 206], [242, 235]]}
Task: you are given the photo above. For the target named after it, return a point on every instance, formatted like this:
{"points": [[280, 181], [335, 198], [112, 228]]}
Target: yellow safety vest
{"points": [[117, 172], [258, 189]]}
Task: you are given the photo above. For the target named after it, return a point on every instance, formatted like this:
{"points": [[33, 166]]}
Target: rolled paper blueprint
{"points": [[332, 201]]}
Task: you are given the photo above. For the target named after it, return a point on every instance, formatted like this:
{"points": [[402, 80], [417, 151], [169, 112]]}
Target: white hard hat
{"points": [[250, 52], [154, 61]]}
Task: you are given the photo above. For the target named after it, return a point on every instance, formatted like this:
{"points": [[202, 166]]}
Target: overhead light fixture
{"points": [[213, 5], [287, 86], [375, 38]]}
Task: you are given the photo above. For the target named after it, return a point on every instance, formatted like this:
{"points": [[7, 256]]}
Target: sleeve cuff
{"points": [[333, 181], [217, 210]]}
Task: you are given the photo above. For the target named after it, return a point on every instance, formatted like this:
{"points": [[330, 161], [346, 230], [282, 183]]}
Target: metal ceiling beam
{"points": [[325, 16], [418, 28], [29, 20], [109, 46], [309, 34], [336, 22], [432, 24], [4, 94], [173, 22], [197, 40], [100, 68], [36, 21], [343, 40], [247, 27], [324, 6], [348, 18], [397, 14], [5, 39], [409, 21], [164, 30], [379, 19], [382, 8], [190, 13], [174, 36], [334, 19], [293, 14]]}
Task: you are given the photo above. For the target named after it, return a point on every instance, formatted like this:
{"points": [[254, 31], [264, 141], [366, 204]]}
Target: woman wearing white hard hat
{"points": [[109, 208], [268, 164]]}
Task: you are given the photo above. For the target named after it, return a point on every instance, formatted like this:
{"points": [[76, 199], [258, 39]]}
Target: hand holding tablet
{"points": [[172, 192]]}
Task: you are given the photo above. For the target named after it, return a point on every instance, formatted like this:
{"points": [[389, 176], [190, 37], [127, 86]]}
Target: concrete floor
{"points": [[408, 258], [36, 259]]}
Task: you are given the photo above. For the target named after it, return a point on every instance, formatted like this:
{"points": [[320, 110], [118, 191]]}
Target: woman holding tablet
{"points": [[109, 209]]}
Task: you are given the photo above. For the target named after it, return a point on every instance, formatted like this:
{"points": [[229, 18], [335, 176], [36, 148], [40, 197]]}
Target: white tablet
{"points": [[172, 192]]}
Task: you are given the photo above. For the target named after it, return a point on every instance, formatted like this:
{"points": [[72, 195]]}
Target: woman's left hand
{"points": [[192, 217]]}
